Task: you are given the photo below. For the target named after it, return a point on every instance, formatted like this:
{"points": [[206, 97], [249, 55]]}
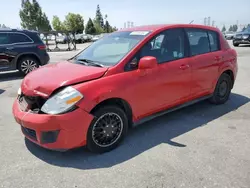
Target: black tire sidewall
{"points": [[91, 145], [216, 99], [24, 59]]}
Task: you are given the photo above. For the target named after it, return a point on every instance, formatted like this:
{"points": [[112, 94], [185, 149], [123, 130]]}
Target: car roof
{"points": [[158, 27], [17, 30]]}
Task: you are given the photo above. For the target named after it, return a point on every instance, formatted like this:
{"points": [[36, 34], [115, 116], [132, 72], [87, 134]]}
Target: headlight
{"points": [[19, 91], [245, 36], [62, 101]]}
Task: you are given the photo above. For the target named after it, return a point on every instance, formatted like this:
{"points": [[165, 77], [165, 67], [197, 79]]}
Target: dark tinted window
{"points": [[214, 41], [19, 38], [198, 40], [167, 46], [4, 38]]}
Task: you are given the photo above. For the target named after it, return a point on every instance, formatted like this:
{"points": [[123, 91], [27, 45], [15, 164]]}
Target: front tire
{"points": [[222, 90], [107, 130], [235, 44], [27, 65]]}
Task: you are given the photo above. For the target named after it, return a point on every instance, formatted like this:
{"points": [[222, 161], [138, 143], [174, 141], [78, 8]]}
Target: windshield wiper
{"points": [[90, 62]]}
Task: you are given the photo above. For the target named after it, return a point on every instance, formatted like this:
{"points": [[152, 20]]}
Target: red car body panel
{"points": [[73, 127], [146, 91], [53, 76]]}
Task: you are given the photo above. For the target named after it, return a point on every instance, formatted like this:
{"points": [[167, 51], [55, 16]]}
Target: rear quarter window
{"points": [[19, 38], [214, 41]]}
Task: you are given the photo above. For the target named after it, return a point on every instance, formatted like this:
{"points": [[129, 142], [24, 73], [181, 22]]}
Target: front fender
{"points": [[94, 95]]}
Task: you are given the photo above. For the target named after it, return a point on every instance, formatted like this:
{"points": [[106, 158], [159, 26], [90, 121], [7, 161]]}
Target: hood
{"points": [[43, 81]]}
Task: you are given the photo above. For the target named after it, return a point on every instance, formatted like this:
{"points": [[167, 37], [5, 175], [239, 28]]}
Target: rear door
{"points": [[21, 43], [205, 59], [5, 58]]}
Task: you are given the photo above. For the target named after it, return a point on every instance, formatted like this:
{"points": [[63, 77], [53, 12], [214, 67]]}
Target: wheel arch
{"points": [[123, 104], [23, 55], [231, 74]]}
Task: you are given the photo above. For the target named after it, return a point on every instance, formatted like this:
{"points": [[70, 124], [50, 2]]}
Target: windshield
{"points": [[111, 48]]}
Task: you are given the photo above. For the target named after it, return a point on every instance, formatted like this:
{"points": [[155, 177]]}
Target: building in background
{"points": [[128, 24]]}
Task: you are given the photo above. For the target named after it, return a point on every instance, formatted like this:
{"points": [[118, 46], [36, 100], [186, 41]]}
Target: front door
{"points": [[168, 83]]}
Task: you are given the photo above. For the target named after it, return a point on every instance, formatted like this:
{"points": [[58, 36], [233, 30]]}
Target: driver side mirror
{"points": [[148, 62]]}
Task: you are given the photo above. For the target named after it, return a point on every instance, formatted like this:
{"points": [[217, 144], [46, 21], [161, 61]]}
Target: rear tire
{"points": [[222, 90], [107, 130], [235, 44], [27, 65]]}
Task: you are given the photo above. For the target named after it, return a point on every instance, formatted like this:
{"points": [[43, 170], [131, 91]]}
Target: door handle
{"points": [[10, 48], [184, 67]]}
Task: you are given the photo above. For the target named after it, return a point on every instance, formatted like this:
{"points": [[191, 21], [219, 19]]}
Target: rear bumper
{"points": [[56, 132], [241, 41]]}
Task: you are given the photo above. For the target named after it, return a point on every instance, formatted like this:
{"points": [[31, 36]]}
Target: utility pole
{"points": [[208, 21], [213, 23], [205, 21]]}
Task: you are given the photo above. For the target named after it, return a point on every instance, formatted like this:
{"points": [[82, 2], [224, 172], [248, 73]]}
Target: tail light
{"points": [[42, 47]]}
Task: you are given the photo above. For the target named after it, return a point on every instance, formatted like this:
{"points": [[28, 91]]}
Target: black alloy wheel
{"points": [[222, 90], [107, 130]]}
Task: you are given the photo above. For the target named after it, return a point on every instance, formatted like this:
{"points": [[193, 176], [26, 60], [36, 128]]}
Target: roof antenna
{"points": [[191, 22]]}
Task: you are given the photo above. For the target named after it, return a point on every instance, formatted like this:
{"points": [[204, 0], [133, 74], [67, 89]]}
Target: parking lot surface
{"points": [[200, 146]]}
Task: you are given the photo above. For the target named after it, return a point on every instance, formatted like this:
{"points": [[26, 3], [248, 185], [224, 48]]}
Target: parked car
{"points": [[242, 37], [79, 38], [21, 50], [126, 78], [63, 39], [229, 35], [95, 38]]}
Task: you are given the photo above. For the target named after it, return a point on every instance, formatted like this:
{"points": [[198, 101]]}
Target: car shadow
{"points": [[1, 91], [8, 76], [161, 130]]}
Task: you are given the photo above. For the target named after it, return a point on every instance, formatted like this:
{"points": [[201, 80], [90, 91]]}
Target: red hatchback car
{"points": [[123, 79]]}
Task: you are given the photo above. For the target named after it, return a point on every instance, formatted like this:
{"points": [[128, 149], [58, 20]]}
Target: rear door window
{"points": [[19, 38], [198, 41]]}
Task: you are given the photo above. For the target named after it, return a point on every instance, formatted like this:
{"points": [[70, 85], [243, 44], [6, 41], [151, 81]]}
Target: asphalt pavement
{"points": [[200, 146]]}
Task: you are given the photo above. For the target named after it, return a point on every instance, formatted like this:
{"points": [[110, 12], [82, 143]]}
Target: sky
{"points": [[141, 12]]}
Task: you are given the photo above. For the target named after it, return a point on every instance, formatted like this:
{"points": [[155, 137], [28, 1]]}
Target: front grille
{"points": [[238, 36], [30, 133], [34, 103]]}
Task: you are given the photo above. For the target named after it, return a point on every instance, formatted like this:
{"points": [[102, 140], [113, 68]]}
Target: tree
{"points": [[57, 24], [230, 28], [98, 28], [44, 23], [90, 28], [32, 17], [223, 28], [244, 28], [234, 28], [107, 28], [98, 17], [114, 29], [74, 22]]}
